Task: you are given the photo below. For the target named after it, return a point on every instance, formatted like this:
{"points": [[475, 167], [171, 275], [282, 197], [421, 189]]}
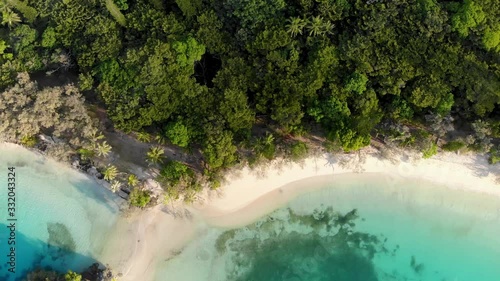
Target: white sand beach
{"points": [[249, 194], [470, 172]]}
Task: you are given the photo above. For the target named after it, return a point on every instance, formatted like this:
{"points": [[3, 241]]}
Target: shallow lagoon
{"points": [[370, 228], [63, 217]]}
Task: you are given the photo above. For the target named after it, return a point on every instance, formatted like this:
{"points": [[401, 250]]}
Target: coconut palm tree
{"points": [[155, 155], [4, 6], [132, 180], [315, 26], [103, 149], [327, 27], [143, 137], [110, 173], [295, 26], [94, 135], [115, 186], [269, 139], [10, 18], [160, 139]]}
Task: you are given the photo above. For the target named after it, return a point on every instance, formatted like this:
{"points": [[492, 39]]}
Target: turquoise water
{"points": [[361, 230], [62, 216]]}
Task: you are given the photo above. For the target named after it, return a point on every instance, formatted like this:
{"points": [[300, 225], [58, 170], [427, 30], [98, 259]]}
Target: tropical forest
{"points": [[231, 82]]}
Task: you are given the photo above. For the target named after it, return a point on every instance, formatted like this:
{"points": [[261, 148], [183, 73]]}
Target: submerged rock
{"points": [[60, 237]]}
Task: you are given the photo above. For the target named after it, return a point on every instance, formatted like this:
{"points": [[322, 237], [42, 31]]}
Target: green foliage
{"points": [[173, 172], [430, 151], [121, 4], [3, 47], [210, 33], [317, 26], [178, 134], [494, 126], [72, 276], [155, 155], [29, 141], [350, 140], [453, 146], [444, 106], [468, 15], [252, 14], [236, 111], [357, 83], [132, 180], [400, 109], [110, 173], [491, 38], [143, 137], [189, 7], [23, 43], [266, 147], [114, 7], [86, 154], [10, 18], [29, 13], [494, 155], [494, 158], [298, 151], [85, 81], [139, 198], [296, 26], [213, 74], [188, 51], [219, 150], [49, 38], [102, 148]]}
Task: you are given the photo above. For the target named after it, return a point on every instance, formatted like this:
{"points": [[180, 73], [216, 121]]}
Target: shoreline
{"points": [[469, 172], [141, 242]]}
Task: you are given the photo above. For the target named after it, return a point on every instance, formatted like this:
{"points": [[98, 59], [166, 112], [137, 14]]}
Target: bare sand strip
{"points": [[148, 239]]}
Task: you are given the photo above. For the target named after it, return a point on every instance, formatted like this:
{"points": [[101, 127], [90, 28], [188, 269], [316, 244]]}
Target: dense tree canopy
{"points": [[201, 72]]}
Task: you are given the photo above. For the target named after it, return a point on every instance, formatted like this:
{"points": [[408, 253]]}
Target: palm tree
{"points": [[115, 186], [269, 140], [160, 139], [10, 18], [328, 27], [155, 155], [143, 137], [4, 6], [94, 135], [103, 149], [132, 180], [110, 173], [315, 26], [295, 26]]}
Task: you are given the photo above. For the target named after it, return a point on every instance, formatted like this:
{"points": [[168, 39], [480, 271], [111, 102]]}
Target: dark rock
{"points": [[122, 194], [42, 147], [126, 190], [93, 273]]}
